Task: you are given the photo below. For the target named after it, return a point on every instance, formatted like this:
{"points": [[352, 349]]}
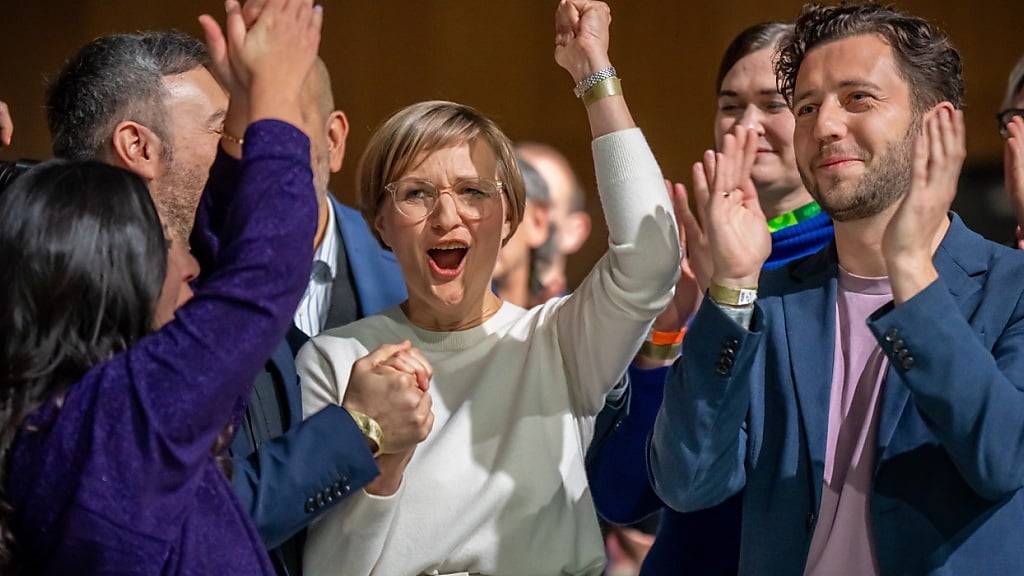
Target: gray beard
{"points": [[879, 188]]}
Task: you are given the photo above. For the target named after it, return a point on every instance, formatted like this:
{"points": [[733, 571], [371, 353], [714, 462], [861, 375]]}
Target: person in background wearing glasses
{"points": [[498, 486], [1011, 128]]}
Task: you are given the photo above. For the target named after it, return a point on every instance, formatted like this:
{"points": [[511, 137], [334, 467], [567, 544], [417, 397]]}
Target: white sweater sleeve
{"points": [[602, 324], [349, 538]]}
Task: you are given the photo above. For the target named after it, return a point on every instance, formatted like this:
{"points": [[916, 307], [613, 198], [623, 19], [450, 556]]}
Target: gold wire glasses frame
{"points": [[417, 199]]}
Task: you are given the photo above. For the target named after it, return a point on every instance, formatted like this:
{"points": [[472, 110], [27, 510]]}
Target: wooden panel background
{"points": [[497, 56]]}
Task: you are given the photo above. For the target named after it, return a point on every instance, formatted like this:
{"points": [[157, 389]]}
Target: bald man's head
{"points": [[317, 90], [327, 127]]}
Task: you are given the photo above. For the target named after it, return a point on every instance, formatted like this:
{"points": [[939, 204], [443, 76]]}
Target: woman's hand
{"points": [[6, 125], [265, 65], [581, 37], [1013, 172], [389, 385], [581, 47], [688, 292]]}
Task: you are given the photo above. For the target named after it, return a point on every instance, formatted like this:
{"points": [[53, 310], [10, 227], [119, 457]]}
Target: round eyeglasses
{"points": [[475, 198]]}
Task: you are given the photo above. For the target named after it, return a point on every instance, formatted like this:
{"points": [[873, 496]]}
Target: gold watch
{"points": [[370, 428]]}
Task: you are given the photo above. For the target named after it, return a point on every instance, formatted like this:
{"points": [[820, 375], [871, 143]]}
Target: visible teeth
{"points": [[449, 246]]}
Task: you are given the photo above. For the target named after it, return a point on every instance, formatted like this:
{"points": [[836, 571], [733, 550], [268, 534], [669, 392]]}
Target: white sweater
{"points": [[499, 486]]}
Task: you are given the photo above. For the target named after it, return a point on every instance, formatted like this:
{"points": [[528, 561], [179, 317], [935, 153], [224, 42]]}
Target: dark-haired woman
{"points": [[707, 542], [113, 396]]}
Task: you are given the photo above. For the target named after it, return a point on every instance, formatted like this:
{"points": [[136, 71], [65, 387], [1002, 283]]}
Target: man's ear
{"points": [[945, 104], [537, 217], [574, 231], [337, 133], [137, 148]]}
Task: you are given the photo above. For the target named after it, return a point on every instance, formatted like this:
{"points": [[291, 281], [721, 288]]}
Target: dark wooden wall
{"points": [[497, 56]]}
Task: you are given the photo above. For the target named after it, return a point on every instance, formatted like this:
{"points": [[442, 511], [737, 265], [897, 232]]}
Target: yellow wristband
{"points": [[608, 87], [660, 351], [732, 296]]}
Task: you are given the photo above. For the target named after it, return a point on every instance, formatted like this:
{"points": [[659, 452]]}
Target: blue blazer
{"points": [[748, 410], [295, 477]]}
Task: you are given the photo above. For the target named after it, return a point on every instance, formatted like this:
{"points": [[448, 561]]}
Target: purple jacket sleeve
{"points": [[185, 378]]}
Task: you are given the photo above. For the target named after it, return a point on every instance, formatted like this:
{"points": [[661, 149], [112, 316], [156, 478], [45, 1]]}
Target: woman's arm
{"points": [[600, 327], [185, 378]]}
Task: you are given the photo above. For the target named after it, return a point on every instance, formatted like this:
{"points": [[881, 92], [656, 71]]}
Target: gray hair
{"points": [[1015, 84], [112, 79]]}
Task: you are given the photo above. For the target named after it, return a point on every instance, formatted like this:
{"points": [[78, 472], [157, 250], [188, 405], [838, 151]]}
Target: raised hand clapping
{"points": [[915, 230], [6, 125]]}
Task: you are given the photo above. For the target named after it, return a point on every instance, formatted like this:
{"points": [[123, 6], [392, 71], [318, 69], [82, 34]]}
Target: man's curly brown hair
{"points": [[926, 59]]}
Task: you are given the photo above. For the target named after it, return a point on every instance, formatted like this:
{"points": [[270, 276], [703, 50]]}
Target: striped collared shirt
{"points": [[312, 311]]}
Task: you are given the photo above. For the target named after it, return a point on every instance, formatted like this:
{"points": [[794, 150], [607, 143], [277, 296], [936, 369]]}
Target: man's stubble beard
{"points": [[178, 195], [879, 187]]}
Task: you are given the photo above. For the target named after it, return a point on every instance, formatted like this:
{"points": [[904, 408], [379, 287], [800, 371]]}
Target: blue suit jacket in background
{"points": [[748, 410], [325, 457]]}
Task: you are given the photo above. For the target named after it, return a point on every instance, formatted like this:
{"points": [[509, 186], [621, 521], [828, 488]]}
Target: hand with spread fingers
{"points": [[735, 227], [263, 56], [688, 292], [6, 124], [1013, 172], [920, 221]]}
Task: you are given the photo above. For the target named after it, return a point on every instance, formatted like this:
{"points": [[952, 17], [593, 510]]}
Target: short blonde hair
{"points": [[425, 127], [1015, 83]]}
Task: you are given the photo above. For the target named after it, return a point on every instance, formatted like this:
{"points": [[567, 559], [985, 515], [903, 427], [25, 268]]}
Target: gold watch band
{"points": [[370, 428]]}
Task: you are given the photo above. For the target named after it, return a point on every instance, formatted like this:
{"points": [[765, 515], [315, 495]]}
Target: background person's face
{"points": [[749, 97], [853, 112]]}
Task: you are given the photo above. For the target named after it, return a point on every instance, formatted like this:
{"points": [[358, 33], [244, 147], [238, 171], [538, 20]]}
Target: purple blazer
{"points": [[120, 478]]}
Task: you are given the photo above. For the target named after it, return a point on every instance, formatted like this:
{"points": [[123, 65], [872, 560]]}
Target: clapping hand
{"points": [[914, 232], [1013, 171], [731, 242], [688, 289], [264, 57], [6, 125]]}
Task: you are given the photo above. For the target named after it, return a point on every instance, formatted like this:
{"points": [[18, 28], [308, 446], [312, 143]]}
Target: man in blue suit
{"points": [[868, 400], [289, 471]]}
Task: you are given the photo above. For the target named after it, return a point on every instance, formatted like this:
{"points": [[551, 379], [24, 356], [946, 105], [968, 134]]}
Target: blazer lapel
{"points": [[378, 281], [809, 310], [957, 261]]}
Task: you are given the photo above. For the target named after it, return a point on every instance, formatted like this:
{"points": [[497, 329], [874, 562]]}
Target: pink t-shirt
{"points": [[842, 542]]}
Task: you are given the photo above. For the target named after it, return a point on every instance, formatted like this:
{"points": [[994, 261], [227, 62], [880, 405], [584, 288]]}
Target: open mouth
{"points": [[446, 260]]}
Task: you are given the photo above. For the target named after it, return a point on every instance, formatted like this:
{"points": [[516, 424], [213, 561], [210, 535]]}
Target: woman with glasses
{"points": [[1011, 128], [498, 487]]}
